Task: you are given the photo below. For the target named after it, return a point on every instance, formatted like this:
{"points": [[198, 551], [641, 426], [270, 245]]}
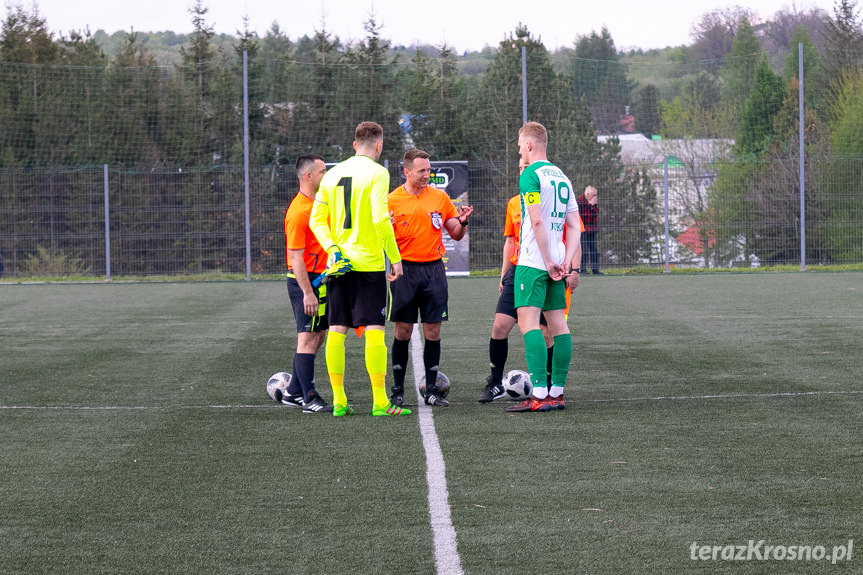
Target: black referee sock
{"points": [[431, 360], [498, 349], [400, 361], [550, 352], [304, 368], [294, 388]]}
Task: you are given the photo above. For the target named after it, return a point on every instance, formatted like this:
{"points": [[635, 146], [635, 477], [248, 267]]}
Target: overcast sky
{"points": [[461, 24]]}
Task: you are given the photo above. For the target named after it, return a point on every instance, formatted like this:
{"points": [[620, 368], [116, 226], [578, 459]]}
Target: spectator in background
{"points": [[588, 210]]}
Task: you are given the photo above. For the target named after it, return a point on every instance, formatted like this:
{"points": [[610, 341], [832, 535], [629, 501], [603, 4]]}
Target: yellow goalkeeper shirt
{"points": [[351, 213]]}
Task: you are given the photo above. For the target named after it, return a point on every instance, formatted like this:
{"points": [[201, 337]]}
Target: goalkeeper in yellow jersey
{"points": [[351, 220]]}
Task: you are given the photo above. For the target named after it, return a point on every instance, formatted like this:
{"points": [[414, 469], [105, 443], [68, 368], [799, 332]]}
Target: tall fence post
{"points": [[107, 224], [246, 161], [802, 158], [524, 84], [665, 189]]}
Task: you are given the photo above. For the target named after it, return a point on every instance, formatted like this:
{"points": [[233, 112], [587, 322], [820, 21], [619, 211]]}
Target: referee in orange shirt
{"points": [[306, 260], [420, 213]]}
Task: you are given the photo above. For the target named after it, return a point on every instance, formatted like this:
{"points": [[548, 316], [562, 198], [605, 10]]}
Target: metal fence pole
{"points": [[246, 161], [524, 84], [802, 158], [107, 225], [665, 189]]}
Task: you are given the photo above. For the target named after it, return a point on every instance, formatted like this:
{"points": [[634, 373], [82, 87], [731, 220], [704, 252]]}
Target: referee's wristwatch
{"points": [[463, 223]]}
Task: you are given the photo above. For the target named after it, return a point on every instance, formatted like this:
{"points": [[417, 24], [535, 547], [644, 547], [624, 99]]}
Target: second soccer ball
{"points": [[442, 384], [277, 385], [517, 385]]}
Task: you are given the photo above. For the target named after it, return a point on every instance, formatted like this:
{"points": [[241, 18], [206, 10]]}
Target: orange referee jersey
{"points": [[418, 221], [298, 235], [512, 224], [512, 227], [569, 291]]}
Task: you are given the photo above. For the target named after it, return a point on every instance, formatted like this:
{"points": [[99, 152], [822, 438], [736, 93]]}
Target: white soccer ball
{"points": [[517, 385], [277, 385], [442, 384]]}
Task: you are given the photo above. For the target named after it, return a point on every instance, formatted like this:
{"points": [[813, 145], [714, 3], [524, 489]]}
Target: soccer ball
{"points": [[277, 385], [442, 384], [517, 385]]}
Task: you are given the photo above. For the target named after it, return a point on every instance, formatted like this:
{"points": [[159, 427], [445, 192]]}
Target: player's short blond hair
{"points": [[536, 132]]}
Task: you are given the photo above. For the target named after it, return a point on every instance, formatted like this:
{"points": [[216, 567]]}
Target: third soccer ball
{"points": [[517, 385], [442, 384], [277, 385]]}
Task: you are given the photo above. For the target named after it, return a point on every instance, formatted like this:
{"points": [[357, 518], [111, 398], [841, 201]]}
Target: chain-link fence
{"points": [[187, 221], [721, 187]]}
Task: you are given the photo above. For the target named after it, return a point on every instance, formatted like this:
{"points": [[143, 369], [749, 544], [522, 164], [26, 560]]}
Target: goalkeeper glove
{"points": [[337, 265]]}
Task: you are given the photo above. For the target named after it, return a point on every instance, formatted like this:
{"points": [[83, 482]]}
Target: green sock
{"points": [[535, 352], [561, 359]]}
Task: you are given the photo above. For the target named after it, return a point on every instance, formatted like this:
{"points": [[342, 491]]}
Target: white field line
{"points": [[720, 396], [136, 407], [419, 371], [447, 559]]}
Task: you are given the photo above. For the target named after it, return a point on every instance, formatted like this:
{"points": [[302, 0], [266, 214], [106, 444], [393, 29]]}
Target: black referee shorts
{"points": [[307, 323], [506, 300], [421, 292]]}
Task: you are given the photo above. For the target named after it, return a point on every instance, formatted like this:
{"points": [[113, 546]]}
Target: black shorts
{"points": [[506, 299], [357, 299], [421, 292], [307, 323]]}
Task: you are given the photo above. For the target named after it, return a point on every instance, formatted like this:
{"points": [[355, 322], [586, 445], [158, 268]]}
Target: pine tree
{"points": [[78, 104], [25, 38], [756, 118], [373, 82], [136, 134], [698, 112], [841, 180], [814, 84], [312, 100], [746, 52], [198, 56], [432, 97], [199, 69], [843, 42], [262, 150], [24, 41], [647, 112], [600, 78]]}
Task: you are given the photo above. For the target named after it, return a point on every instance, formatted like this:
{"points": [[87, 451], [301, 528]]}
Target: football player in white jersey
{"points": [[543, 271]]}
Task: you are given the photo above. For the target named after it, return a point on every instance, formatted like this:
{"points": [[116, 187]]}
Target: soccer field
{"points": [[708, 410]]}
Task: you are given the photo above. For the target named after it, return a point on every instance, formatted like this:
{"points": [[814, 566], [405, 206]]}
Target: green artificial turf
{"points": [[717, 409]]}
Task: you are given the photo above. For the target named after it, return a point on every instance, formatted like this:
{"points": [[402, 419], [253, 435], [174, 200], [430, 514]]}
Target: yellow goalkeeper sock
{"points": [[376, 366], [335, 356]]}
